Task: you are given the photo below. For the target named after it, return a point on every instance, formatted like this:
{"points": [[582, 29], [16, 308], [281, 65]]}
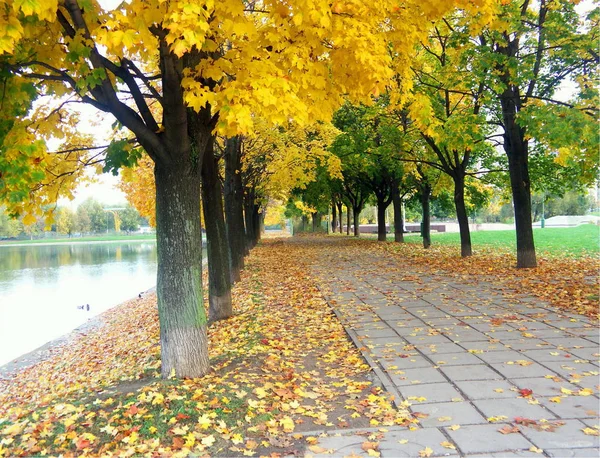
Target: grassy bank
{"points": [[569, 241], [90, 238]]}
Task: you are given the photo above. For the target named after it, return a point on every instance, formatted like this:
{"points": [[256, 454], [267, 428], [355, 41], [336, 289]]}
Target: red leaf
{"points": [[82, 443], [525, 392], [182, 416], [524, 421]]}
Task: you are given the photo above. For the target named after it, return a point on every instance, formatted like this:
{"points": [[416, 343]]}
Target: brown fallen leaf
{"points": [[509, 429]]}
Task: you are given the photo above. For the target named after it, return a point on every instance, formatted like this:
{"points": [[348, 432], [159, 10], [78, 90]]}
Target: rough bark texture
{"points": [[381, 226], [517, 151], [234, 206], [249, 218], [461, 214], [348, 218], [333, 217], [219, 260], [317, 218], [183, 334], [356, 214], [426, 221], [398, 215]]}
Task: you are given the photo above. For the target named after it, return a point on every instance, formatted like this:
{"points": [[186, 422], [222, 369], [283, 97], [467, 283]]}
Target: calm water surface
{"points": [[41, 287]]}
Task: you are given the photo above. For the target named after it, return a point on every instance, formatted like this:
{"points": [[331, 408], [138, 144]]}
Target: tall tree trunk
{"points": [[516, 148], [340, 222], [219, 267], [381, 226], [234, 206], [256, 222], [183, 333], [347, 220], [461, 214], [316, 221], [398, 216], [426, 222], [356, 212], [249, 218], [333, 217]]}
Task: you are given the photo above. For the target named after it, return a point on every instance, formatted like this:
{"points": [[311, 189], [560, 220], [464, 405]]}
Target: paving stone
{"points": [[573, 453], [501, 356], [570, 343], [341, 446], [448, 413], [570, 367], [570, 435], [424, 339], [485, 389], [527, 344], [514, 371], [473, 372], [550, 354], [505, 454], [434, 349], [417, 376], [370, 334], [482, 346], [592, 354], [574, 407], [396, 363], [432, 392], [417, 440], [486, 439], [455, 359], [543, 386], [511, 408]]}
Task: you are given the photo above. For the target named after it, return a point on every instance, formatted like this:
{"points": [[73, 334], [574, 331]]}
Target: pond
{"points": [[45, 290]]}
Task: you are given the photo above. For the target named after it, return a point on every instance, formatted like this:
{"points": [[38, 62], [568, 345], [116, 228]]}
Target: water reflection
{"points": [[42, 286]]}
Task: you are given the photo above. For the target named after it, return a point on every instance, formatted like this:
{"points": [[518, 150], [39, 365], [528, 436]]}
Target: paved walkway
{"points": [[488, 371]]}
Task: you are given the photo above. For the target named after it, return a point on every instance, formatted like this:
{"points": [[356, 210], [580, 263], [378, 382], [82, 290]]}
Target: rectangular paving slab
{"points": [[486, 438]]}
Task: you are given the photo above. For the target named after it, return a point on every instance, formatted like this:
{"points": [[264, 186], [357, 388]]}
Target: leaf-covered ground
{"points": [[569, 283], [283, 365]]}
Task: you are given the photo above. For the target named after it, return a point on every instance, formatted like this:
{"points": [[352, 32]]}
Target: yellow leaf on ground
{"points": [[447, 444], [426, 452]]}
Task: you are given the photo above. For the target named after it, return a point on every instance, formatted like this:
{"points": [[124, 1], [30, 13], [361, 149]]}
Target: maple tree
{"points": [[524, 57], [148, 64], [448, 109]]}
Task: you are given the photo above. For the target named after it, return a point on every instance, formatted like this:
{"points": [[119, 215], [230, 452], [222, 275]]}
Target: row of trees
{"points": [[177, 75], [472, 94]]}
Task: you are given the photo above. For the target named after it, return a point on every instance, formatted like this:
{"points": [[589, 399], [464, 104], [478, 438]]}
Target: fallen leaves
{"points": [[426, 452], [283, 363], [509, 429]]}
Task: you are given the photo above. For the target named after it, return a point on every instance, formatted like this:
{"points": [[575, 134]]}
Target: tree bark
{"points": [[381, 227], [461, 214], [333, 217], [234, 206], [219, 256], [316, 222], [517, 151], [256, 223], [519, 181], [398, 215], [183, 333], [426, 221], [347, 220], [340, 222], [249, 218], [356, 214]]}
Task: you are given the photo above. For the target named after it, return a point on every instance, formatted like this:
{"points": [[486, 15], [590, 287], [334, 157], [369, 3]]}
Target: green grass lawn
{"points": [[91, 238], [573, 241]]}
